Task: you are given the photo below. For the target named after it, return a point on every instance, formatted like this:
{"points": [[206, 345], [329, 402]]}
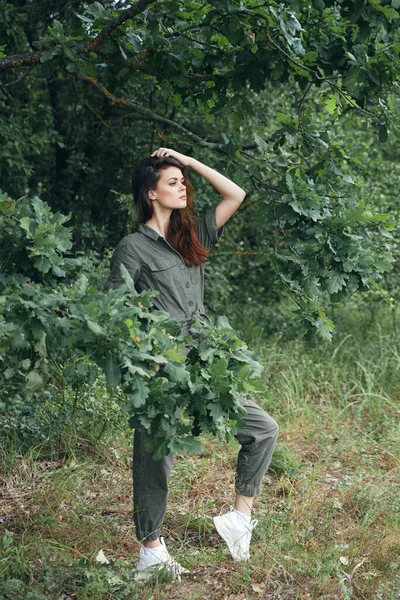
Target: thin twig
{"points": [[308, 87], [6, 92], [350, 100], [315, 74]]}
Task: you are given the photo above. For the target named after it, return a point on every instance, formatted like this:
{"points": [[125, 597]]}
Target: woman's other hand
{"points": [[162, 152]]}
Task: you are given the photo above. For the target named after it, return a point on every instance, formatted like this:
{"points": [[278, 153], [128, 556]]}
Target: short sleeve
{"points": [[124, 254], [207, 231]]}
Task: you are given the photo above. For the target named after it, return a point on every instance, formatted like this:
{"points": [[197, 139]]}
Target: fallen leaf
{"points": [[330, 479], [101, 558]]}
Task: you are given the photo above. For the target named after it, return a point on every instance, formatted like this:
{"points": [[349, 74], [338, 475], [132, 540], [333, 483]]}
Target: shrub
{"points": [[60, 334]]}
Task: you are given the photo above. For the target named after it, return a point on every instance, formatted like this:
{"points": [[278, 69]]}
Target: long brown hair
{"points": [[182, 231]]}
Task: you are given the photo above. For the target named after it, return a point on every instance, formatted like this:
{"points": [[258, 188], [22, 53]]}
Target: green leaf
{"points": [[112, 371], [42, 264], [57, 271], [162, 449], [197, 53], [310, 57], [126, 364], [177, 99], [262, 145], [285, 119], [95, 328], [40, 346], [138, 397], [34, 382], [324, 326], [25, 223], [97, 10], [216, 410], [219, 367], [57, 30], [300, 71], [331, 103], [126, 276], [353, 81], [335, 281], [186, 445], [174, 355], [178, 374], [222, 321], [382, 133], [390, 13], [49, 54], [244, 372]]}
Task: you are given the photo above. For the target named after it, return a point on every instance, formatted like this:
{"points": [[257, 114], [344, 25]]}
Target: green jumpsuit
{"points": [[154, 264]]}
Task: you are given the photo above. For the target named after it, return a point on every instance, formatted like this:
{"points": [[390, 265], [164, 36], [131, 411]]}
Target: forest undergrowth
{"points": [[328, 514]]}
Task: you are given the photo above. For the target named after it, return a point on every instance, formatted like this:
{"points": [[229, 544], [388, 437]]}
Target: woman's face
{"points": [[171, 189]]}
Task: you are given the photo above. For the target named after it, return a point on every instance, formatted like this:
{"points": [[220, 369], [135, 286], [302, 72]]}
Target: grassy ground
{"points": [[328, 515]]}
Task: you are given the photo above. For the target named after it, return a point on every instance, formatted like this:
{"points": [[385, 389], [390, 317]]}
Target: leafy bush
{"points": [[60, 335], [203, 395]]}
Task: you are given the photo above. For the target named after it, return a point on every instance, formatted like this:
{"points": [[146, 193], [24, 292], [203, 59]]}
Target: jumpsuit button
{"points": [[190, 302], [187, 284], [182, 266]]}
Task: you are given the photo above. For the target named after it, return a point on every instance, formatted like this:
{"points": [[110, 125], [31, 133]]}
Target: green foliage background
{"points": [[297, 102], [282, 98]]}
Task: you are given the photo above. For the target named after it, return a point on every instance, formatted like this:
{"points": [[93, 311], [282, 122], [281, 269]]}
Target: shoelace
{"points": [[253, 523], [175, 566], [169, 560]]}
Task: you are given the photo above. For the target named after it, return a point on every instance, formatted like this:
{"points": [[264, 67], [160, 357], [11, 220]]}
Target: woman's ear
{"points": [[151, 195]]}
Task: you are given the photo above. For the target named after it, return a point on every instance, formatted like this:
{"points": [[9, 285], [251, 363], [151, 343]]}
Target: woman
{"points": [[167, 253]]}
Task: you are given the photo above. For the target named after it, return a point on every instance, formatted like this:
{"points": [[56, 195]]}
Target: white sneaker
{"points": [[159, 557], [236, 531]]}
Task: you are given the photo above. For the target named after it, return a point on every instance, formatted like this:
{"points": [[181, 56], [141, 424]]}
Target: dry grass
{"points": [[328, 514]]}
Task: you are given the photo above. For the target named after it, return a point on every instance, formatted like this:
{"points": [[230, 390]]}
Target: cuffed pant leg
{"points": [[258, 439], [150, 489]]}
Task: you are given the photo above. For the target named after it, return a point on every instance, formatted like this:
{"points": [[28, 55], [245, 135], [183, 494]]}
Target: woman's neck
{"points": [[160, 221]]}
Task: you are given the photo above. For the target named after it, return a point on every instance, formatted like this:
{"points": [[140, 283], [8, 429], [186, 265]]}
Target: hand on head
{"points": [[163, 152]]}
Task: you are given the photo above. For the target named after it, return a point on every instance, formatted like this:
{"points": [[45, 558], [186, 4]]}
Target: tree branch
{"points": [[127, 14], [145, 111], [33, 58]]}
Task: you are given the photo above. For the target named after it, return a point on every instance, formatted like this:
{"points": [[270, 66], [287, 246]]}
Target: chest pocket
{"points": [[167, 272], [162, 264], [163, 270]]}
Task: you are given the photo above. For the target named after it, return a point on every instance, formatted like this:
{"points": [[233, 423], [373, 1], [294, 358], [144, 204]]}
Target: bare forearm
{"points": [[223, 185]]}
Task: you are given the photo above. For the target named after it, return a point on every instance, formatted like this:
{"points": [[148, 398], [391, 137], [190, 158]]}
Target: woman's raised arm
{"points": [[232, 194]]}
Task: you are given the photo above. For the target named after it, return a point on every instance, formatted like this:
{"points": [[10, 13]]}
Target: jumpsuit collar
{"points": [[149, 231]]}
